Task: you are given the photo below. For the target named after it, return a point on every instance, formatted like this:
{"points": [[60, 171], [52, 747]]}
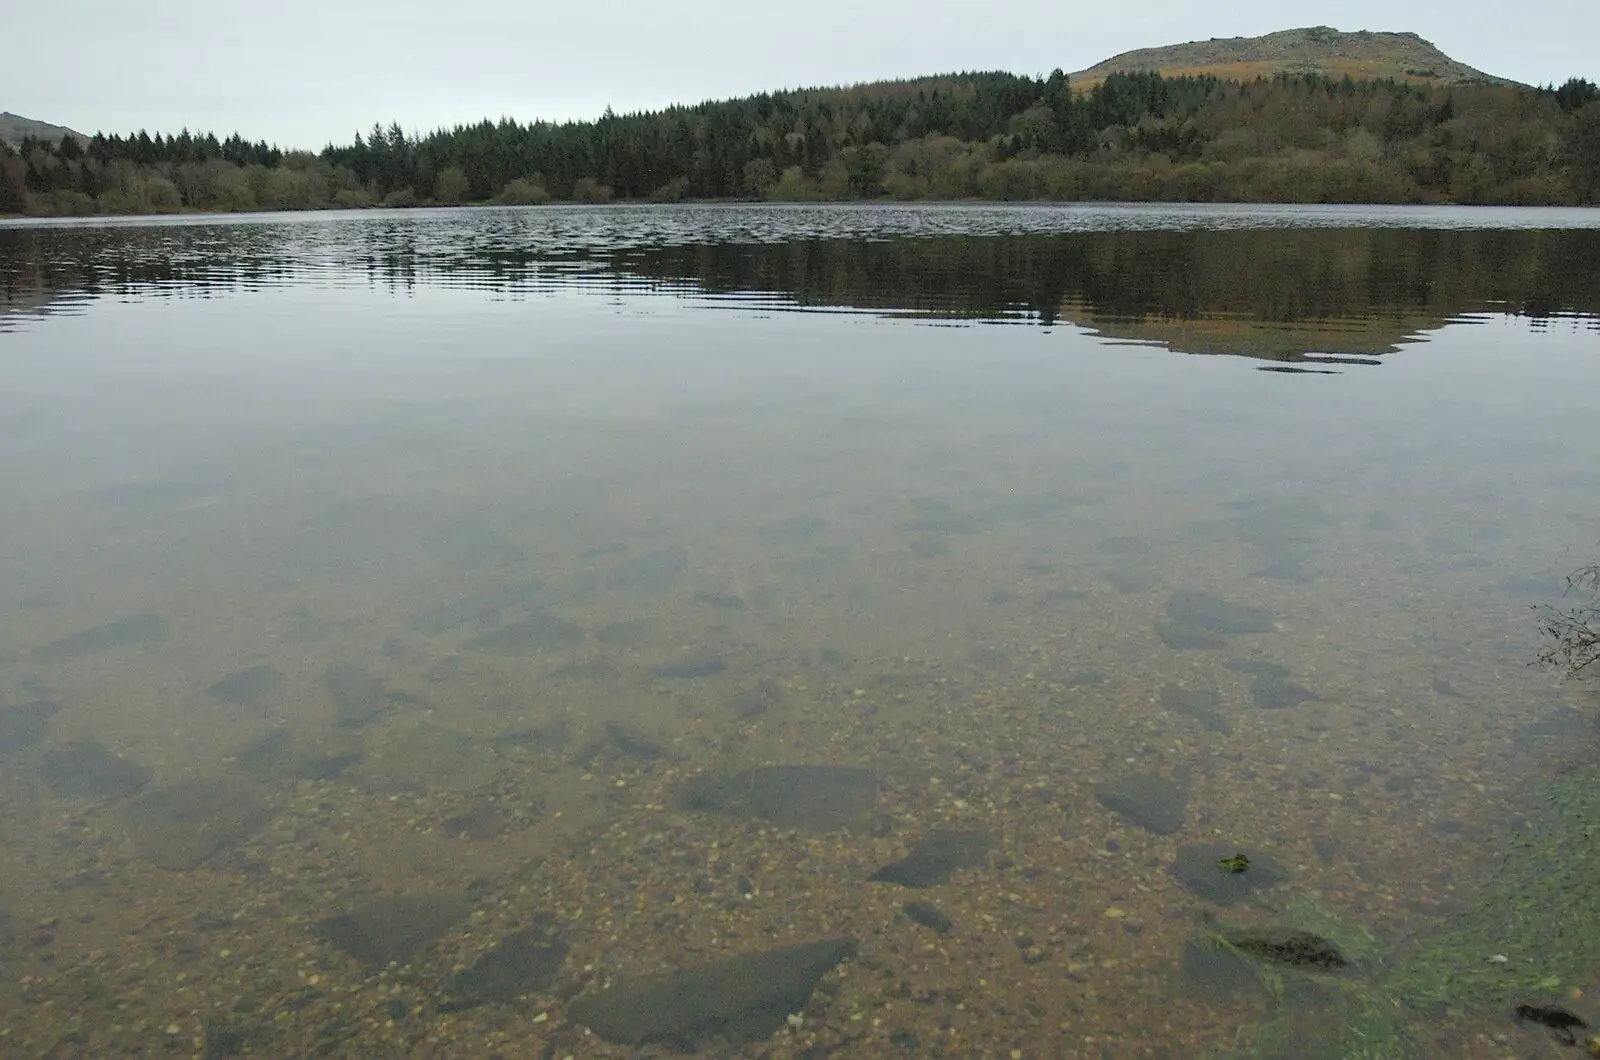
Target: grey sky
{"points": [[299, 72]]}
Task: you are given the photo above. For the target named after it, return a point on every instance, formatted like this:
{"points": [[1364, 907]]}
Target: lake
{"points": [[858, 631]]}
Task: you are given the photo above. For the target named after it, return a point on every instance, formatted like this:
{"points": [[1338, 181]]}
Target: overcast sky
{"points": [[302, 72]]}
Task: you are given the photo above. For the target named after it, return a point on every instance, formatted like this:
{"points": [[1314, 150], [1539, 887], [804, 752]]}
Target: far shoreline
{"points": [[41, 219]]}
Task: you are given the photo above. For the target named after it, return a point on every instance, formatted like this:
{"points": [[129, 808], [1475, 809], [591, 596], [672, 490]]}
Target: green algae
{"points": [[1533, 930]]}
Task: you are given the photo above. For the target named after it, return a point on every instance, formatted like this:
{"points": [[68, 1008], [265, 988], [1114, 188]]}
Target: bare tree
{"points": [[1573, 635]]}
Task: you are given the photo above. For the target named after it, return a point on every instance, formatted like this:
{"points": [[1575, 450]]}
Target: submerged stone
{"points": [[480, 607], [1271, 692], [1299, 949], [764, 697], [741, 999], [24, 725], [182, 826], [632, 742], [1201, 704], [593, 670], [485, 820], [358, 697], [540, 631], [1128, 580], [135, 631], [928, 915], [653, 572], [88, 768], [1200, 868], [251, 687], [688, 669], [524, 962], [629, 633], [721, 601], [1179, 637], [1285, 569], [1153, 802], [937, 858], [280, 754], [1256, 666], [393, 930], [813, 797], [1197, 609]]}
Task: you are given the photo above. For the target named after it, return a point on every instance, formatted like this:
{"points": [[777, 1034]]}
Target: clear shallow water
{"points": [[466, 548]]}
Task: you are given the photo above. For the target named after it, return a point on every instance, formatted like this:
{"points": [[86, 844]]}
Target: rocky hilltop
{"points": [[14, 128], [1317, 49]]}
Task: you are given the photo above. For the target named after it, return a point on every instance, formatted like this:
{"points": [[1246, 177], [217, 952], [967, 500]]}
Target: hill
{"points": [[1291, 137], [14, 129], [1313, 50]]}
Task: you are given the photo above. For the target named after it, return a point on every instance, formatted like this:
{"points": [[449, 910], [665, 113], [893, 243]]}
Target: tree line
{"points": [[999, 136]]}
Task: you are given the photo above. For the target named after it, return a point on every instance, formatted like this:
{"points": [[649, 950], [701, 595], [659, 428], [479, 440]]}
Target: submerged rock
{"points": [[1153, 802], [88, 768], [1299, 949], [628, 633], [540, 631], [1130, 580], [928, 915], [253, 687], [390, 930], [358, 697], [592, 670], [1201, 704], [1197, 609], [1561, 1022], [1179, 637], [478, 608], [741, 999], [135, 631], [632, 742], [24, 725], [280, 754], [764, 697], [937, 858], [524, 962], [1273, 692], [1256, 666], [652, 572], [814, 797], [180, 827], [1200, 869], [688, 669]]}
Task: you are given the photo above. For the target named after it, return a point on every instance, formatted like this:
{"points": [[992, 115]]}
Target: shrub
{"points": [[523, 192]]}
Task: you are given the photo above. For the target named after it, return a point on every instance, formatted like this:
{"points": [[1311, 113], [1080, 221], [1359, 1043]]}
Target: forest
{"points": [[989, 136]]}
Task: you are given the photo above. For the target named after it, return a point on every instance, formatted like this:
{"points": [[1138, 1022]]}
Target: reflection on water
{"points": [[521, 632]]}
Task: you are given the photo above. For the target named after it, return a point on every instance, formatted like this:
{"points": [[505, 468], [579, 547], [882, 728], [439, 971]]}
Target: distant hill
{"points": [[14, 128], [1317, 49]]}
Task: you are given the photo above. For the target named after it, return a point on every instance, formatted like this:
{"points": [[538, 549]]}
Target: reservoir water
{"points": [[944, 631]]}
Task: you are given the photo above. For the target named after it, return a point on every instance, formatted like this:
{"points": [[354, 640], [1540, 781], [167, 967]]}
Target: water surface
{"points": [[616, 591]]}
